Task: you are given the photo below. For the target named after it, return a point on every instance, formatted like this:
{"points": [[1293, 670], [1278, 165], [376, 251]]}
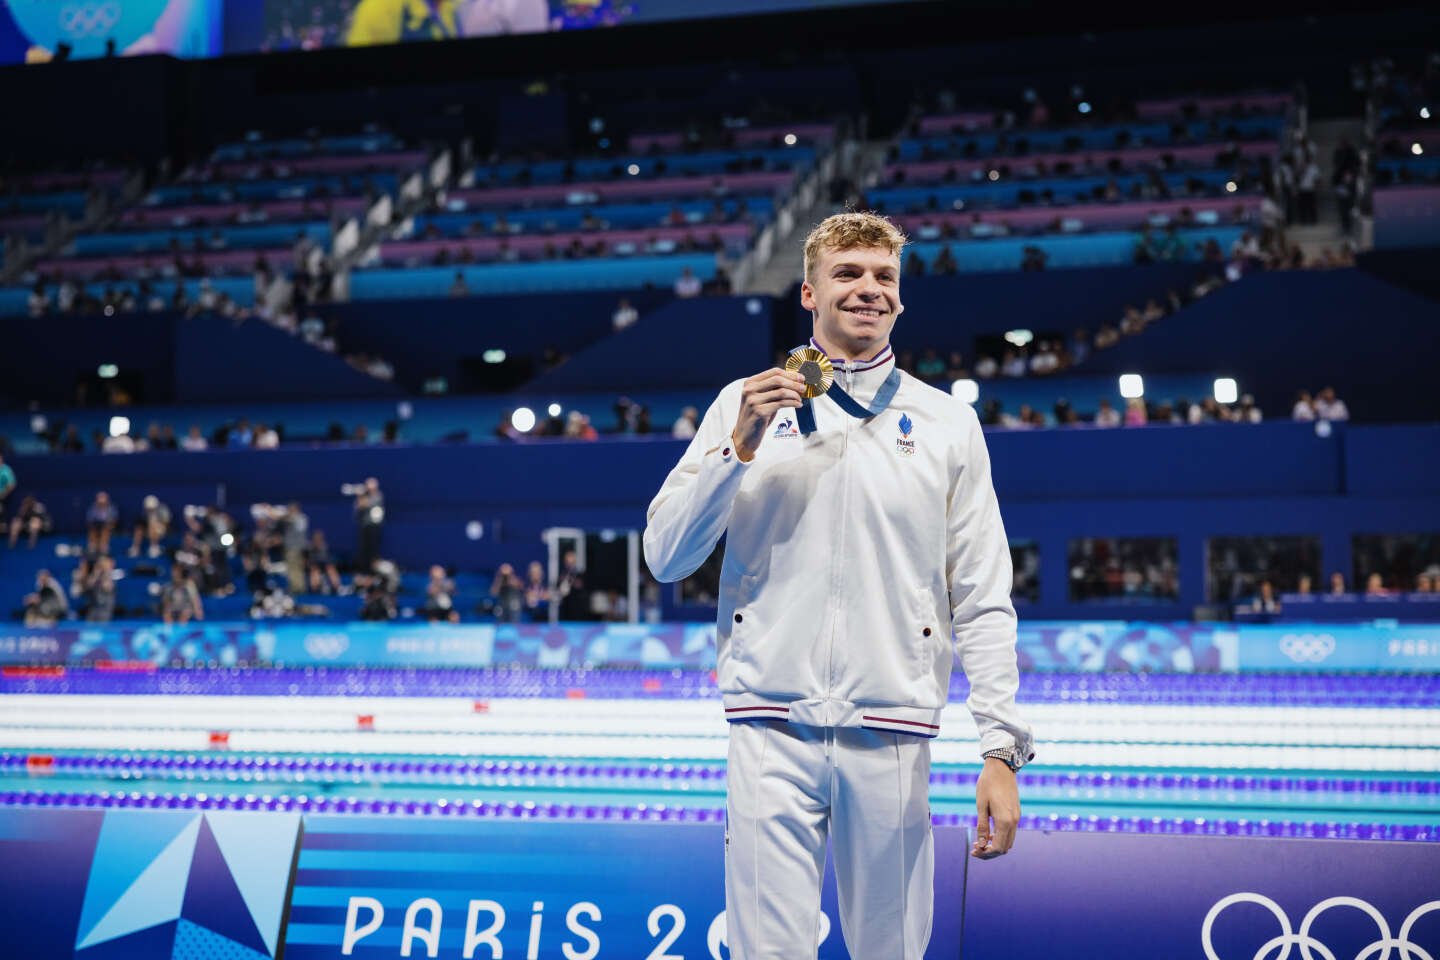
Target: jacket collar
{"points": [[862, 378]]}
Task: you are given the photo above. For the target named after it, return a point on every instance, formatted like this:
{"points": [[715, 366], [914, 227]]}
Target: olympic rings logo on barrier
{"points": [[1307, 647], [89, 19], [326, 646], [1378, 950]]}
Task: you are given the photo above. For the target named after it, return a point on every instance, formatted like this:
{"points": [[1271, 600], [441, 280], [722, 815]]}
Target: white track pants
{"points": [[789, 786]]}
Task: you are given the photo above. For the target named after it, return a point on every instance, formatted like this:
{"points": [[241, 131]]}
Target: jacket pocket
{"points": [[929, 635], [743, 617]]}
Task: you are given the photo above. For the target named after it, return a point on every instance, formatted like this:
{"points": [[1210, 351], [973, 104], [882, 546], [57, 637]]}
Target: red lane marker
{"points": [[481, 706], [651, 686], [365, 721], [40, 763], [574, 693], [220, 739], [25, 672], [125, 666]]}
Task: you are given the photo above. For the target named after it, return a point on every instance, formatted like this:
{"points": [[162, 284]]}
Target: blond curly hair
{"points": [[846, 231]]}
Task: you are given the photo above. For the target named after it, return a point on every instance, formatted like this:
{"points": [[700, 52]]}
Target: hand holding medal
{"points": [[814, 366], [760, 397]]}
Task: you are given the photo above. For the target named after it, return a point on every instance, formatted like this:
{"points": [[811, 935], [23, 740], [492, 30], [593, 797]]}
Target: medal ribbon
{"points": [[805, 416]]}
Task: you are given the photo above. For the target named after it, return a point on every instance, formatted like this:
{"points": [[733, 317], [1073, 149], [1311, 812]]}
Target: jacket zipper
{"points": [[837, 575]]}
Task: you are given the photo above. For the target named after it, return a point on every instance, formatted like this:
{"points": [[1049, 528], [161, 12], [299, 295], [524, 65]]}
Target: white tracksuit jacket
{"points": [[852, 555]]}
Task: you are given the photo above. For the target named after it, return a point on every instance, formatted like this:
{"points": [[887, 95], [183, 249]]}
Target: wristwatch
{"points": [[1010, 755]]}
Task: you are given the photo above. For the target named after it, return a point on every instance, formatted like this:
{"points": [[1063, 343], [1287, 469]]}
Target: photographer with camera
{"points": [[370, 518], [379, 588]]}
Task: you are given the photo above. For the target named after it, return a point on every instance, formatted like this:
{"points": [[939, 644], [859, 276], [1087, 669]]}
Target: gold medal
{"points": [[814, 366]]}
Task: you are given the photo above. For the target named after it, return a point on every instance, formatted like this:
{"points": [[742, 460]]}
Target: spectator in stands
{"points": [[1424, 583], [48, 605], [7, 483], [930, 366], [569, 590], [38, 303], [440, 597], [1107, 416], [1079, 346], [1248, 412], [459, 288], [32, 519], [508, 591], [1337, 584], [687, 285], [370, 519], [537, 593], [322, 573], [914, 264], [100, 522], [1106, 337], [579, 427], [153, 525], [625, 315], [294, 539], [945, 262], [1375, 586], [955, 366], [71, 441], [1044, 360], [1135, 413], [1034, 259], [1265, 600], [685, 426], [1330, 407], [1012, 364], [194, 440], [1304, 586], [1307, 187], [1304, 408], [266, 438], [99, 596], [986, 367]]}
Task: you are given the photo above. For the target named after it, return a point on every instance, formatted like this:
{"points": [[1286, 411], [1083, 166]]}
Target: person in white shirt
{"points": [[625, 315], [194, 440], [1107, 416], [684, 428], [687, 284], [864, 550], [1330, 407], [1304, 408]]}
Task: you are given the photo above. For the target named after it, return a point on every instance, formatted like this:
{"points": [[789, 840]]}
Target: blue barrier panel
{"points": [[1063, 250], [140, 884], [604, 889], [1112, 646], [158, 241], [1089, 895]]}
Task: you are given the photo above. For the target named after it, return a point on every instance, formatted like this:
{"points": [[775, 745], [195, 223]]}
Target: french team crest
{"points": [[786, 427], [903, 444]]}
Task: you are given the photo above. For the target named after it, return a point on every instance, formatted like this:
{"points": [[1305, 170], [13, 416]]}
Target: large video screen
{"points": [[38, 31]]}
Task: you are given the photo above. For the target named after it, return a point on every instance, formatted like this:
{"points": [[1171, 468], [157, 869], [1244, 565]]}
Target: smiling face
{"points": [[854, 296]]}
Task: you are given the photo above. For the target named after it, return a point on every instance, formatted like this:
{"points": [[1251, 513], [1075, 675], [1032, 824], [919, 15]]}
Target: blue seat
{"points": [[1006, 193], [1062, 250], [158, 241], [601, 274]]}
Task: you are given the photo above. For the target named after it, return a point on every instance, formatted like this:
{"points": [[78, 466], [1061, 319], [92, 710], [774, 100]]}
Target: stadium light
{"points": [[1230, 186], [107, 371], [633, 169], [791, 139], [1226, 390], [554, 409], [1083, 106], [523, 419], [1019, 337], [1424, 113], [474, 530], [493, 356], [994, 175], [966, 390], [119, 426], [1416, 149], [1132, 386]]}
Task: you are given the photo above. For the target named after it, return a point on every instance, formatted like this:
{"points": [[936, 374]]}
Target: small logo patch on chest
{"points": [[786, 427], [903, 444]]}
